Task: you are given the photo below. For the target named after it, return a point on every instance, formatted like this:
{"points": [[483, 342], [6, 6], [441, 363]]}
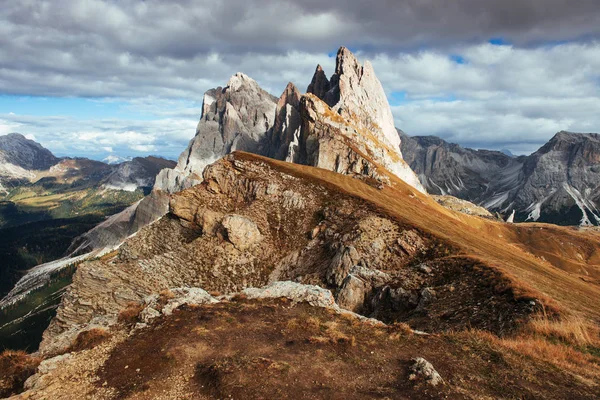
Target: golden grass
{"points": [[570, 330], [15, 367], [539, 349], [89, 339]]}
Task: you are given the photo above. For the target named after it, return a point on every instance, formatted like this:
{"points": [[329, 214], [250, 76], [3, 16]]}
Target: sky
{"points": [[125, 78]]}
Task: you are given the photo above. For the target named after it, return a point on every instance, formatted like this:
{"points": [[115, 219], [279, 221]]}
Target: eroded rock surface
{"points": [[209, 240]]}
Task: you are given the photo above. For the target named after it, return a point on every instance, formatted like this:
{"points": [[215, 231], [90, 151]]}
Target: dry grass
{"points": [[89, 339], [569, 330], [559, 355], [131, 313], [331, 333], [15, 368], [399, 330], [165, 295]]}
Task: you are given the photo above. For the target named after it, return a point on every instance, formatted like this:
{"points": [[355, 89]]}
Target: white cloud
{"points": [[500, 97]]}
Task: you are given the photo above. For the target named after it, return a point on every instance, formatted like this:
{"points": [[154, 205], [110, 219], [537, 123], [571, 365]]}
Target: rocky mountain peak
{"points": [[236, 117], [286, 130], [237, 81], [356, 93], [17, 150], [291, 95]]}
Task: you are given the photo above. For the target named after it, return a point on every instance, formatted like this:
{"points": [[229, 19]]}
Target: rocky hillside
{"points": [[439, 287], [557, 184], [46, 202]]}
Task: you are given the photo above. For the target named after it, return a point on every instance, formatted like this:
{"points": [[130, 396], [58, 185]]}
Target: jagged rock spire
{"points": [[286, 129], [356, 93], [319, 84], [236, 117]]}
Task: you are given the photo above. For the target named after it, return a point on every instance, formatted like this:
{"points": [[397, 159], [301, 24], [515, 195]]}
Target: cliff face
{"points": [[558, 183], [355, 93], [236, 117]]}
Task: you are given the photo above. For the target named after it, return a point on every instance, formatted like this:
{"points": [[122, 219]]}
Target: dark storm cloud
{"points": [[159, 50], [96, 48]]}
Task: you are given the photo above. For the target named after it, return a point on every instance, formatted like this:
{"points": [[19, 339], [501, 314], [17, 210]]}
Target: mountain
{"points": [[314, 265], [268, 263], [17, 150], [45, 203], [557, 184], [18, 157], [297, 128]]}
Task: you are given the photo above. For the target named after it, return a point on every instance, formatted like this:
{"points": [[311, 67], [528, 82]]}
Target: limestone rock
{"points": [[358, 285], [341, 264], [180, 296], [333, 142], [319, 84], [242, 232], [423, 369], [285, 134], [352, 293], [313, 295], [236, 117], [357, 94]]}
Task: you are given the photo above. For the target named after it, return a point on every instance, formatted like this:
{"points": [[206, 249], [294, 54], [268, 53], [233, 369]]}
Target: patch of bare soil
{"points": [[273, 349]]}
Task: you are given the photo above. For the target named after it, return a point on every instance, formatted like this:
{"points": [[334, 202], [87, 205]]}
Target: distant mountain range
{"points": [[558, 183], [46, 201]]}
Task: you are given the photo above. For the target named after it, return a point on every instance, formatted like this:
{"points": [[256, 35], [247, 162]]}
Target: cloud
{"points": [[159, 57], [499, 96], [97, 138]]}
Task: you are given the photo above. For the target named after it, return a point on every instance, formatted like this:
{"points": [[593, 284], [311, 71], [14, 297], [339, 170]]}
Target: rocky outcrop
{"points": [[242, 232], [329, 141], [422, 369], [319, 85], [253, 221], [355, 121], [285, 134], [236, 117], [314, 295], [558, 183]]}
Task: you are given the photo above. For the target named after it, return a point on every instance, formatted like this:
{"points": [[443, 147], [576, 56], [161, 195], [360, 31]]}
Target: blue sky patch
{"points": [[499, 41], [74, 107], [458, 59]]}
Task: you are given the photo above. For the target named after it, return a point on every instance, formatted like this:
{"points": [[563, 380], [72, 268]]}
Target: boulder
{"points": [[241, 231], [421, 368], [297, 292]]}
